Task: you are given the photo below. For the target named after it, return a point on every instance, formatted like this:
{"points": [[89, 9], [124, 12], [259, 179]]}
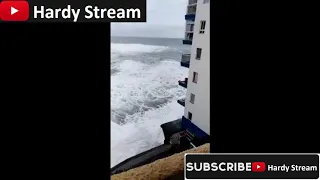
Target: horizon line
{"points": [[147, 37]]}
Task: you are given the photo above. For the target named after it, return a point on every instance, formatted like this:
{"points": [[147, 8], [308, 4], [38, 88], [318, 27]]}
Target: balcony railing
{"points": [[189, 28], [182, 102], [184, 83], [188, 38], [191, 9], [190, 17], [191, 2], [191, 13], [185, 60]]}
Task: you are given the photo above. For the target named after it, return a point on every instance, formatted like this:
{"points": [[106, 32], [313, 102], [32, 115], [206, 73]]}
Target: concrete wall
{"points": [[201, 108], [167, 168]]}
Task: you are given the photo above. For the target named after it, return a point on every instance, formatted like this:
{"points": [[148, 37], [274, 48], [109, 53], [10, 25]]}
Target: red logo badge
{"points": [[14, 10], [258, 166]]}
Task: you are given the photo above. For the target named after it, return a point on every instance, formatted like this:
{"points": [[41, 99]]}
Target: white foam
{"points": [[137, 83], [135, 48], [134, 84], [134, 87], [134, 138]]}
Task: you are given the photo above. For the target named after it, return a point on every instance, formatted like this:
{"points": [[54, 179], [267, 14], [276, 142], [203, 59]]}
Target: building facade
{"points": [[196, 117]]}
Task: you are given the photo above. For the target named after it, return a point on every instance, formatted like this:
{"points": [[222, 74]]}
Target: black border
{"points": [[263, 75], [57, 81]]}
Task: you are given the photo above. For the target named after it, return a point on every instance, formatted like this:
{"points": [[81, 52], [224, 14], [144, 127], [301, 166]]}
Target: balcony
{"points": [[188, 33], [189, 27], [190, 17], [184, 83], [192, 2], [182, 102], [188, 42], [185, 60], [188, 38], [191, 12]]}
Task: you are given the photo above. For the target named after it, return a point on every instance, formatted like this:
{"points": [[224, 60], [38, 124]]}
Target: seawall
{"points": [[167, 168]]}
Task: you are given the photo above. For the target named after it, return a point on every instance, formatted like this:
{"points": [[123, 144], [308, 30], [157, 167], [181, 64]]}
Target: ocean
{"points": [[144, 92]]}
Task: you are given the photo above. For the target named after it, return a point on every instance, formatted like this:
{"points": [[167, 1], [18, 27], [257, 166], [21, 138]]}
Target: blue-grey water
{"points": [[144, 90]]}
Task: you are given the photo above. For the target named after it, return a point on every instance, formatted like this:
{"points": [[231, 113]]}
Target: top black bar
{"points": [[75, 11]]}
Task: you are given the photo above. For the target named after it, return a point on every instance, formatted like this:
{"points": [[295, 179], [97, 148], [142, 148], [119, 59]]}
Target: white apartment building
{"points": [[196, 117]]}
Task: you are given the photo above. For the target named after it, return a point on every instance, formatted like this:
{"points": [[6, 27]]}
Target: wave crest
{"points": [[135, 48]]}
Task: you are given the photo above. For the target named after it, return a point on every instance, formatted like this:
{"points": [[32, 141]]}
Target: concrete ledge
{"points": [[161, 169], [171, 128], [144, 158]]}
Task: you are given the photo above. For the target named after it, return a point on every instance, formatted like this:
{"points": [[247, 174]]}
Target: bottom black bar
{"points": [[218, 166]]}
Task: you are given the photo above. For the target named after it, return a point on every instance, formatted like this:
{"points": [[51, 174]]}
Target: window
{"points": [[195, 77], [205, 1], [198, 54], [202, 26], [192, 97], [189, 115]]}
